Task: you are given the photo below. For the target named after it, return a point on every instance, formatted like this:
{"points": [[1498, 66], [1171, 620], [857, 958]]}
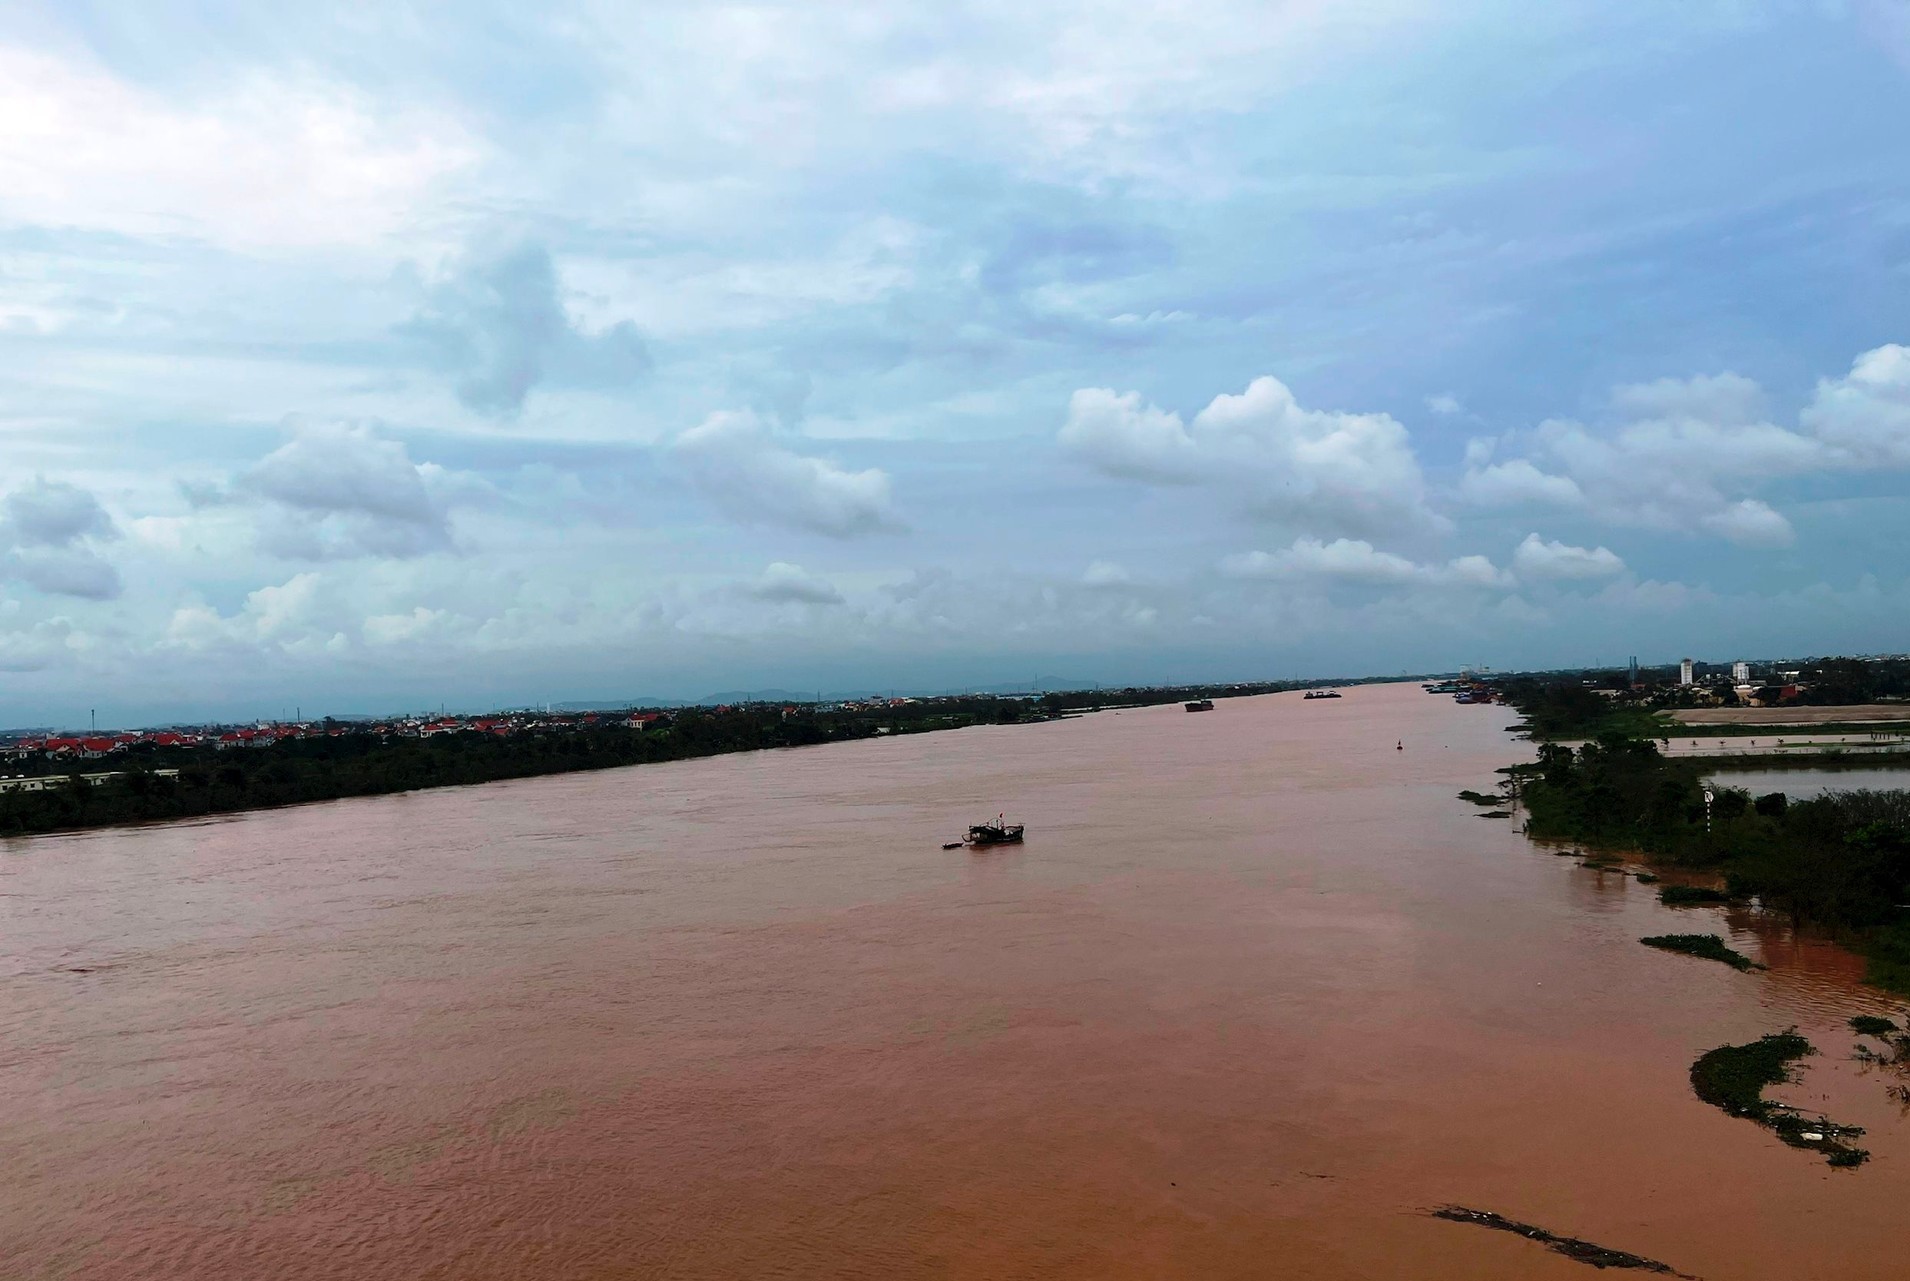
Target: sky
{"points": [[356, 358]]}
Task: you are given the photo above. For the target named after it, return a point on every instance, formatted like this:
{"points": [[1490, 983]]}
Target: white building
{"points": [[1684, 672], [1740, 673]]}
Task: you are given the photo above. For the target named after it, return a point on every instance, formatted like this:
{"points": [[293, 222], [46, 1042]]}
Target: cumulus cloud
{"points": [[1688, 453], [1518, 483], [738, 463], [1865, 415], [257, 162], [36, 647], [1338, 472], [1750, 522], [1682, 457], [418, 625], [339, 491], [297, 616], [497, 325], [49, 533], [1445, 404], [1352, 560], [1106, 573], [783, 583], [1537, 559]]}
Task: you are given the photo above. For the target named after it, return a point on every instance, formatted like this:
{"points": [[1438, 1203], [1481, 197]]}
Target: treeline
{"points": [[1561, 707], [1841, 861], [321, 769], [1840, 682]]}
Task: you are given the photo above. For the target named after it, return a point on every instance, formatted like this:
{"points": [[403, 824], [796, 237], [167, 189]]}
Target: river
{"points": [[1256, 994]]}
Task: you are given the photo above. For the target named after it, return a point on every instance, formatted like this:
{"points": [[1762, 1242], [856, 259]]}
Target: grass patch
{"points": [[1708, 946], [1482, 799], [1690, 896], [1496, 814], [1647, 878], [1733, 1078], [1871, 1025]]}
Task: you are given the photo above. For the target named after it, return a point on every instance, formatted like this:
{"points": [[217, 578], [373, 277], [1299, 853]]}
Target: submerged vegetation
{"points": [[1840, 861], [1597, 1256], [1708, 946], [1733, 1079], [1691, 896]]}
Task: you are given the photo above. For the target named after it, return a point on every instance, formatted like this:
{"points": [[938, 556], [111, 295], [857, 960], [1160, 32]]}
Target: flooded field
{"points": [[1257, 994], [1802, 784]]}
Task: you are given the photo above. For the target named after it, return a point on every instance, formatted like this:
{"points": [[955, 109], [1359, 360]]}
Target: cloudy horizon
{"points": [[460, 354]]}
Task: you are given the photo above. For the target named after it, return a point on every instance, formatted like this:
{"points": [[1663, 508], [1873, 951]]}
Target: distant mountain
{"points": [[730, 696], [619, 704]]}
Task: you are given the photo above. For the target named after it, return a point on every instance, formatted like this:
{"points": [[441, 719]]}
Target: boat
{"points": [[1201, 705], [998, 832], [1322, 693]]}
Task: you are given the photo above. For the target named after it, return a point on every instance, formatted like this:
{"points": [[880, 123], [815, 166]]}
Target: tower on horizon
{"points": [[1685, 672]]}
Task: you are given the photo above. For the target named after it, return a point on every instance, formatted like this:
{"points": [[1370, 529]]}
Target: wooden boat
{"points": [[1201, 705], [995, 833]]}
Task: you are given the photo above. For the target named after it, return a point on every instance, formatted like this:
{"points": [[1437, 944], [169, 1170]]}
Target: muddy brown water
{"points": [[1257, 993]]}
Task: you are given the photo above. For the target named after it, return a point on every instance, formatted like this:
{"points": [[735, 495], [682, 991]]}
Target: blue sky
{"points": [[465, 353]]}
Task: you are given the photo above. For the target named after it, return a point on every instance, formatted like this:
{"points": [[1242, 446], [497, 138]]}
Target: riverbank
{"points": [[157, 784], [201, 782], [1840, 861]]}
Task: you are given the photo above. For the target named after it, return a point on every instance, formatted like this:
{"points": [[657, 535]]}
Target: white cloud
{"points": [[1357, 561], [1687, 453], [1536, 559], [1445, 404], [1106, 573], [1683, 456], [255, 163], [420, 624], [1319, 470], [49, 533], [53, 514], [1865, 416], [783, 583], [36, 647], [497, 324], [738, 464], [1518, 484], [294, 616], [1751, 523], [339, 491]]}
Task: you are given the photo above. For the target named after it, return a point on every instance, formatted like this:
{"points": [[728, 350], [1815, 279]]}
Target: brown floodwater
{"points": [[1256, 994]]}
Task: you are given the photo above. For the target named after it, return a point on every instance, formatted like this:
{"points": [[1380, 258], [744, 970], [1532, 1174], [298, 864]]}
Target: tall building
{"points": [[1684, 672], [1634, 671], [1740, 673]]}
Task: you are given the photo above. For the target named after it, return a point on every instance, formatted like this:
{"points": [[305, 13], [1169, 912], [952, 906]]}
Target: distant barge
{"points": [[1321, 693], [1201, 705]]}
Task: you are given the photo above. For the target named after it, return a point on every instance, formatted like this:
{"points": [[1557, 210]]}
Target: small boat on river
{"points": [[1201, 705], [999, 832], [1321, 693]]}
